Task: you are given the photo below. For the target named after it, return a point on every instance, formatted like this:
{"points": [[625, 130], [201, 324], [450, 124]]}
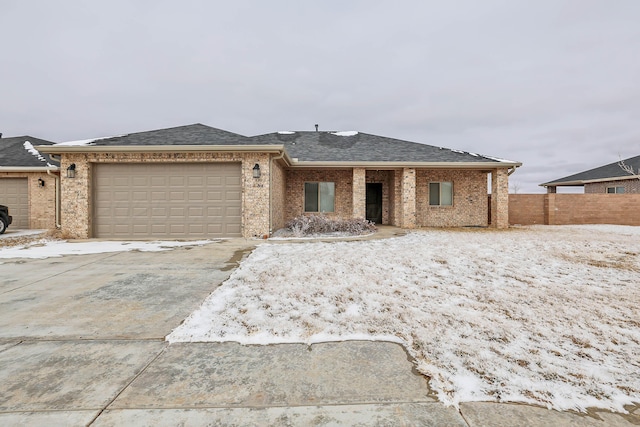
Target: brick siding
{"points": [[469, 199], [42, 200], [77, 192], [564, 209], [343, 179], [278, 197], [631, 186], [526, 209]]}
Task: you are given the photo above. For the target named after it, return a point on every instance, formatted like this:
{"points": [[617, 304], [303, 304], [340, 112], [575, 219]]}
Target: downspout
{"points": [[57, 197], [280, 156]]}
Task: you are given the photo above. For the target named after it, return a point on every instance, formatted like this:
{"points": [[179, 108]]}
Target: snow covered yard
{"points": [[542, 315]]}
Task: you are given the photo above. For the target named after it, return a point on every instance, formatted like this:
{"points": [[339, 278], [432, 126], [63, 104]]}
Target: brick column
{"points": [[408, 198], [550, 209], [75, 199], [499, 198], [359, 193]]}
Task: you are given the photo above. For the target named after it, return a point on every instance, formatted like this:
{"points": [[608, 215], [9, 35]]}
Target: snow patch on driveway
{"points": [[55, 248]]}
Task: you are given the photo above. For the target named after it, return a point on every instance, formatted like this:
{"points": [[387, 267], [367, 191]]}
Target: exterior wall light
{"points": [[71, 171], [40, 182], [256, 171]]}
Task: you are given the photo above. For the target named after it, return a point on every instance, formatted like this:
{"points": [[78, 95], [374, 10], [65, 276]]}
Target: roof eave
{"points": [[29, 168], [53, 149], [580, 183], [392, 165]]}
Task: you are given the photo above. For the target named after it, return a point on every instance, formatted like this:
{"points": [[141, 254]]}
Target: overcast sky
{"points": [[553, 84]]}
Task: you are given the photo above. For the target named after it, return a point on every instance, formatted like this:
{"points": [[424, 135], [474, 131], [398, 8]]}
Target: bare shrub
{"points": [[308, 225]]}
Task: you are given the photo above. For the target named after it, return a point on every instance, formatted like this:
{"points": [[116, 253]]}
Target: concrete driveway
{"points": [[82, 343]]}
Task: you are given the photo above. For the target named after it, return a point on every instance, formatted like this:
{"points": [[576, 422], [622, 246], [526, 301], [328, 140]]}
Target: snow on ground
{"points": [[540, 315], [11, 233], [45, 248]]}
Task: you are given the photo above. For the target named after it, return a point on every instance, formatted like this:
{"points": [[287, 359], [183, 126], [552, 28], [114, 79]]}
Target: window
{"points": [[440, 193], [615, 190], [319, 196]]}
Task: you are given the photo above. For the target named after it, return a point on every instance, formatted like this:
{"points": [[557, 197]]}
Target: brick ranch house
{"points": [[611, 196], [28, 182], [607, 179], [197, 181]]}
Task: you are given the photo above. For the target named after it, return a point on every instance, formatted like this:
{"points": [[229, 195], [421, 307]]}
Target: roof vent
{"points": [[0, 134], [316, 128]]}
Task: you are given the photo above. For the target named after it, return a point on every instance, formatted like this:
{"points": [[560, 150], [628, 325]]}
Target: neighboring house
{"points": [[28, 182], [197, 181], [609, 178]]}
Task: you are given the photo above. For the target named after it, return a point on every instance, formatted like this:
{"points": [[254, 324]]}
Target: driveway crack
{"points": [[126, 386]]}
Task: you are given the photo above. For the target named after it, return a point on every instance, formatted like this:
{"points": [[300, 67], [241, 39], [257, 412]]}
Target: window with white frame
{"points": [[319, 196], [440, 193], [615, 190]]}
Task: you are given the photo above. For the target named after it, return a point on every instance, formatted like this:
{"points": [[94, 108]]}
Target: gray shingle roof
{"points": [[363, 147], [196, 134], [612, 170], [14, 154], [305, 146]]}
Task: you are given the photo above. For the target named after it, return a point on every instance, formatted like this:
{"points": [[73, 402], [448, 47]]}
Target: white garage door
{"points": [[188, 200], [14, 193]]}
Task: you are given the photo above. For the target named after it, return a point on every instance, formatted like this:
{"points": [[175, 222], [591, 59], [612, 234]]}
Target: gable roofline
{"points": [[19, 152], [608, 172], [299, 149], [580, 183], [358, 147]]}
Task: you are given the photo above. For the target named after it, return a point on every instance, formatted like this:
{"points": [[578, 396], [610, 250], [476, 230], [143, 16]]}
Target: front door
{"points": [[374, 202]]}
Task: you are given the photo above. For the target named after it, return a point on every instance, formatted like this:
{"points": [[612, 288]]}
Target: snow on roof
{"points": [[285, 132], [345, 133], [81, 142], [498, 159], [31, 149]]}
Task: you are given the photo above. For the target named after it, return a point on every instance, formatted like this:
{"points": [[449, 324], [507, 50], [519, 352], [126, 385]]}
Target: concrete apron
{"points": [[82, 342]]}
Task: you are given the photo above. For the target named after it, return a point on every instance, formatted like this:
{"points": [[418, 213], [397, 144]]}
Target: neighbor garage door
{"points": [[14, 193], [167, 200]]}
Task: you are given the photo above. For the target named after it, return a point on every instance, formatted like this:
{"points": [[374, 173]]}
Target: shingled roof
{"points": [[310, 146], [19, 152], [610, 172], [195, 134]]}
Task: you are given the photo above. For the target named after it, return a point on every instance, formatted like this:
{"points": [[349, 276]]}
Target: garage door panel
{"points": [[177, 196], [232, 229], [232, 180], [160, 200], [14, 193], [177, 181], [120, 181], [232, 195], [196, 196], [196, 181]]}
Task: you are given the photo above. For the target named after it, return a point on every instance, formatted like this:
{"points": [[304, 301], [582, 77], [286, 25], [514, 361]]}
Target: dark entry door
{"points": [[374, 202]]}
